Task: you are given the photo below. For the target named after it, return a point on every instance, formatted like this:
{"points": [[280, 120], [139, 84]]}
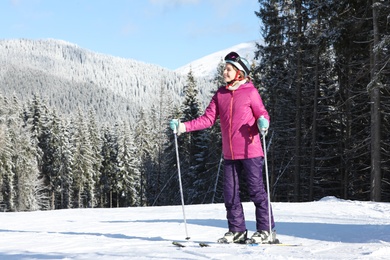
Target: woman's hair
{"points": [[242, 74]]}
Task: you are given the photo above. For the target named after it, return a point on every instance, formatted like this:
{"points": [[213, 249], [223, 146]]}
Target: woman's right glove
{"points": [[177, 126]]}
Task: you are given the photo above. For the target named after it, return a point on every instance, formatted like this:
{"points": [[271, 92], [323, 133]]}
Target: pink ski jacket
{"points": [[238, 111]]}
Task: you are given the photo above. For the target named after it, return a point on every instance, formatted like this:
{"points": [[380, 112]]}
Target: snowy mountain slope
{"points": [[327, 229], [71, 78], [207, 66]]}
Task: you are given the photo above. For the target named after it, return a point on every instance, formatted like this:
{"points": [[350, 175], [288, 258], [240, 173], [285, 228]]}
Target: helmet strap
{"points": [[236, 78]]}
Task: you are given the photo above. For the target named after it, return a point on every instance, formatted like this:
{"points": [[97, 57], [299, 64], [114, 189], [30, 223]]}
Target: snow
{"points": [[327, 229]]}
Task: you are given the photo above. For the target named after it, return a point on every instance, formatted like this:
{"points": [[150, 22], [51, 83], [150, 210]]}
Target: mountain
{"points": [[207, 66], [71, 78]]}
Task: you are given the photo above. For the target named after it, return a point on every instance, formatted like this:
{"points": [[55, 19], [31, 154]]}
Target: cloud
{"points": [[168, 4], [15, 2], [129, 29], [225, 8], [21, 2], [196, 31]]}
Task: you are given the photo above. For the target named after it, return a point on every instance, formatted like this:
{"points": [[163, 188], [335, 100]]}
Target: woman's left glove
{"points": [[263, 125], [177, 126]]}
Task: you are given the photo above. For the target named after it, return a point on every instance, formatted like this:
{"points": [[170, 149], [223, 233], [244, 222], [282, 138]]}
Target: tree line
{"points": [[50, 160]]}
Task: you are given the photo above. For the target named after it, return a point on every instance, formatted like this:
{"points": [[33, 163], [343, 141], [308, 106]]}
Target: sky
{"points": [[329, 229], [169, 33]]}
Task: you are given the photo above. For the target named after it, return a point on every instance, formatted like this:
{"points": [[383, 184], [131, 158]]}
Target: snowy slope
{"points": [[326, 229], [71, 78], [207, 66]]}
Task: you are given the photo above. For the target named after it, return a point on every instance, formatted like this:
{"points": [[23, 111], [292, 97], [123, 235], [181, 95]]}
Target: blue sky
{"points": [[169, 33]]}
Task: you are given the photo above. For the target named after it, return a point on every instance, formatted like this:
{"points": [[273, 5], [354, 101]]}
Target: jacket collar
{"points": [[236, 85]]}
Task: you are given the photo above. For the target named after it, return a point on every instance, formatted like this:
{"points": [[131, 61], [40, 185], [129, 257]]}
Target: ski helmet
{"points": [[239, 62]]}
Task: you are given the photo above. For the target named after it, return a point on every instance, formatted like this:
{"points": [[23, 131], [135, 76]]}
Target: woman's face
{"points": [[229, 73]]}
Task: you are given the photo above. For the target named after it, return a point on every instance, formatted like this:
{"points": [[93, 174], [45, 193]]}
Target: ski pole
{"points": [[181, 186], [263, 133], [216, 181]]}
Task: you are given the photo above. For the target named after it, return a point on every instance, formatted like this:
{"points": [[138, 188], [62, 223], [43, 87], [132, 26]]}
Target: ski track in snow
{"points": [[327, 229]]}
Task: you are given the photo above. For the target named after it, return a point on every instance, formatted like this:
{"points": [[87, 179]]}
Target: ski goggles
{"points": [[233, 56]]}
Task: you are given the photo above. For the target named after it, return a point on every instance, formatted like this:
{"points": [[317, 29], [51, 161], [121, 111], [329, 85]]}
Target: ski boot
{"points": [[263, 237], [233, 237]]}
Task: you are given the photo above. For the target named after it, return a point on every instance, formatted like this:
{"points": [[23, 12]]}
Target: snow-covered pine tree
{"points": [[169, 193], [129, 174], [83, 181], [145, 140], [109, 168], [167, 185], [96, 146], [193, 146], [6, 173], [51, 158], [25, 170], [66, 156], [36, 119], [214, 160]]}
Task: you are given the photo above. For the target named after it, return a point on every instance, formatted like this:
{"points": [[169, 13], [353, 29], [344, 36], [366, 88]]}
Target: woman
{"points": [[242, 114]]}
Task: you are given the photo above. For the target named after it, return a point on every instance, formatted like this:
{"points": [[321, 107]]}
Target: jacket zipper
{"points": [[230, 123]]}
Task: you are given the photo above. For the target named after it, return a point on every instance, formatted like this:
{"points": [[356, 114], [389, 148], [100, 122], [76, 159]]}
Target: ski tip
{"points": [[178, 244]]}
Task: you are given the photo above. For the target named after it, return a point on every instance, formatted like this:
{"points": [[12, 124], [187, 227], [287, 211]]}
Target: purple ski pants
{"points": [[253, 173]]}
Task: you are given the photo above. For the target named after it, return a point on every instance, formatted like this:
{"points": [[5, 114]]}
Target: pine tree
{"points": [[25, 172], [144, 143], [129, 173], [214, 159], [169, 193], [193, 146], [66, 157], [108, 167], [36, 120], [83, 181], [96, 146], [6, 173]]}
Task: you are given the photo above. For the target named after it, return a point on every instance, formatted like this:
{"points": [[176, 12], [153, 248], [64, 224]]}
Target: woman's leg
{"points": [[231, 191], [258, 195]]}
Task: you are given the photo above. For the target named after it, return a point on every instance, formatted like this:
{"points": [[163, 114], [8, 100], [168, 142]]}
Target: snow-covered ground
{"points": [[325, 229]]}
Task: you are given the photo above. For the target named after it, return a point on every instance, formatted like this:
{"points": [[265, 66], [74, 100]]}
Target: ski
{"points": [[274, 243], [249, 243], [203, 244]]}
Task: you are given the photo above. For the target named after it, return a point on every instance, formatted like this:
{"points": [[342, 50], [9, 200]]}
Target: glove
{"points": [[263, 124], [177, 126]]}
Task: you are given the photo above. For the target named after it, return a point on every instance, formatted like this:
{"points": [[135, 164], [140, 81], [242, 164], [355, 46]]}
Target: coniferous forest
{"points": [[79, 130], [324, 70]]}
